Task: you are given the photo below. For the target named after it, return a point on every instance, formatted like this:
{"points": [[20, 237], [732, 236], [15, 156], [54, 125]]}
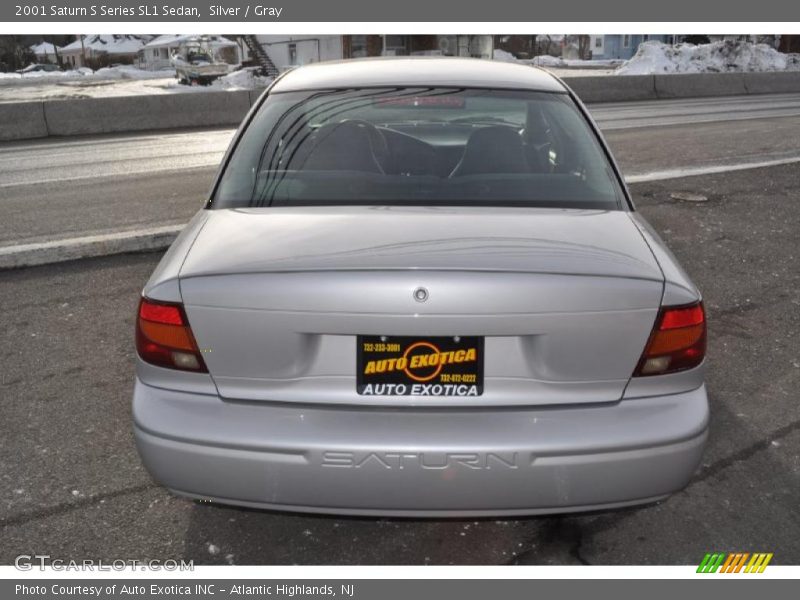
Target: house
{"points": [[97, 51], [528, 46], [605, 47], [287, 51], [155, 54], [478, 46], [46, 52], [770, 40], [789, 43]]}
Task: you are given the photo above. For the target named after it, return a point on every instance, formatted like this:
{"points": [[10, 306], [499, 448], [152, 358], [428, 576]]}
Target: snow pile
{"points": [[717, 57], [84, 74], [10, 78], [503, 55], [243, 79], [545, 60], [128, 72], [554, 38], [555, 62]]}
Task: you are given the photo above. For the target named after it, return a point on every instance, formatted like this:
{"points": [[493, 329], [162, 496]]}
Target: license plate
{"points": [[419, 366]]}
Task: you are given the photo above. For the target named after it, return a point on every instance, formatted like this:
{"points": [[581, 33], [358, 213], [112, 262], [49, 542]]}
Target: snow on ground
{"points": [[717, 57], [503, 55], [561, 67], [128, 72], [112, 81], [555, 62], [104, 74], [657, 57], [243, 79], [546, 60]]}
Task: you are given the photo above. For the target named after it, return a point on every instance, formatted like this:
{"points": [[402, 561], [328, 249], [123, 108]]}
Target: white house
{"points": [[288, 51], [46, 52], [103, 50], [155, 55]]}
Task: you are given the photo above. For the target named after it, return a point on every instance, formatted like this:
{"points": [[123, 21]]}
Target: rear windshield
{"points": [[431, 146]]}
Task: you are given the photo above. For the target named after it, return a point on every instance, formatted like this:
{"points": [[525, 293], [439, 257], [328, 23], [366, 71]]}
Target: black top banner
{"points": [[360, 11]]}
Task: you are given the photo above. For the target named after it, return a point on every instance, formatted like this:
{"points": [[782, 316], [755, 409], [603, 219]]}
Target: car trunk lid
{"points": [[563, 299]]}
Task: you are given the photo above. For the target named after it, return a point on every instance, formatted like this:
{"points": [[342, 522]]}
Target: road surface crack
{"points": [[65, 507], [746, 453]]}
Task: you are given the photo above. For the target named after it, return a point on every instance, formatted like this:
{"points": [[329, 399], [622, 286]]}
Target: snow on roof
{"points": [[165, 41], [112, 44], [44, 48]]}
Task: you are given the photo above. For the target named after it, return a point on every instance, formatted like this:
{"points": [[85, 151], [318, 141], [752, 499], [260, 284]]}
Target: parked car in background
{"points": [[420, 287], [39, 67]]}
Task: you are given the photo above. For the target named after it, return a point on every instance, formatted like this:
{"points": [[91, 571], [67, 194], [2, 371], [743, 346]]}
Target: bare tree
{"points": [[15, 52]]}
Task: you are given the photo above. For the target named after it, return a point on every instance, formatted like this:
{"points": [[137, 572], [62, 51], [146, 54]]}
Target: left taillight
{"points": [[164, 338]]}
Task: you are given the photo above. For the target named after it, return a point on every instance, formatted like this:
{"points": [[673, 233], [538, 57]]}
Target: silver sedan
{"points": [[419, 287]]}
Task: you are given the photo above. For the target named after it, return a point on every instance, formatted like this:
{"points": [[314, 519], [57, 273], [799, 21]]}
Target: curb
{"points": [[43, 253]]}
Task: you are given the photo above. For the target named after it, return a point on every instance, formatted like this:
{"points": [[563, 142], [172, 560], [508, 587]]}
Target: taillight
{"points": [[677, 343], [164, 338]]}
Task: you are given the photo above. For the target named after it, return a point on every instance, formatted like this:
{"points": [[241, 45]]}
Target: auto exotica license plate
{"points": [[419, 366]]}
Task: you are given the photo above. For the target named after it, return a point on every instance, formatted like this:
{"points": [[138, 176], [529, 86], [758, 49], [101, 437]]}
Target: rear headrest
{"points": [[495, 149], [343, 146]]}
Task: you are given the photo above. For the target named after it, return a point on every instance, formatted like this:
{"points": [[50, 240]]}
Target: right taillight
{"points": [[677, 343], [164, 338]]}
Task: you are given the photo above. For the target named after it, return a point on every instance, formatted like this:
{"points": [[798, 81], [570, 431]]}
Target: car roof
{"points": [[417, 71]]}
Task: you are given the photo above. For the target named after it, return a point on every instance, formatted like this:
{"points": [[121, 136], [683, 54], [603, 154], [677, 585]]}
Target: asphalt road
{"points": [[73, 487], [64, 188], [624, 115]]}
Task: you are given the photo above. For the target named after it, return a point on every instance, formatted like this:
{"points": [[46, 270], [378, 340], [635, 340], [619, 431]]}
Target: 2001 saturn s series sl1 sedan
{"points": [[420, 287]]}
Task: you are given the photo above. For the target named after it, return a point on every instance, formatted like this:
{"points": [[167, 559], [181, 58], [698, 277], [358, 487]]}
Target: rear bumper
{"points": [[420, 462]]}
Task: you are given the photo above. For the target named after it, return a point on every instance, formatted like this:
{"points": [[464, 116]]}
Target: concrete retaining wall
{"points": [[81, 116], [697, 85], [27, 120], [256, 94], [137, 113], [772, 83], [22, 121], [684, 85], [598, 88]]}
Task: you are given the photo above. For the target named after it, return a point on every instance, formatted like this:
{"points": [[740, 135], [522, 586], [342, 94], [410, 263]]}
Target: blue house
{"points": [[622, 46]]}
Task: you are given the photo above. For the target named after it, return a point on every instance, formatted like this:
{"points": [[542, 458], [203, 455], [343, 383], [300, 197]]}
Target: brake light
{"points": [[164, 338], [677, 343]]}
